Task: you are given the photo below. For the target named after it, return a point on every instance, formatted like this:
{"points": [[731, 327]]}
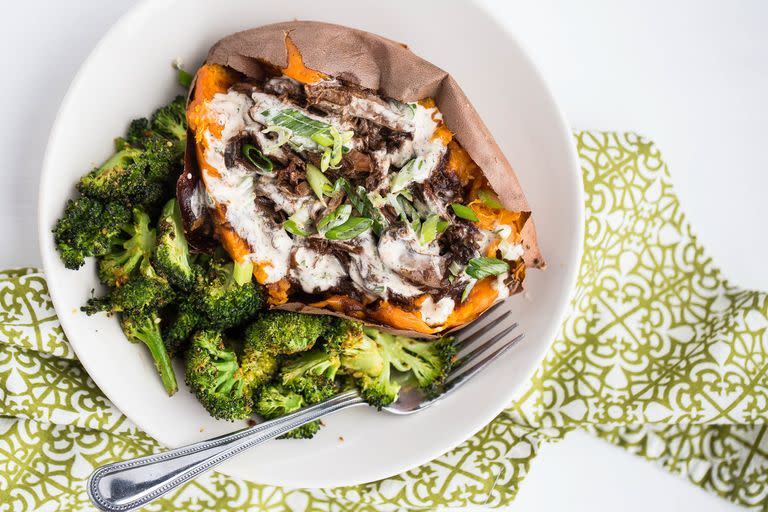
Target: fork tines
{"points": [[482, 343]]}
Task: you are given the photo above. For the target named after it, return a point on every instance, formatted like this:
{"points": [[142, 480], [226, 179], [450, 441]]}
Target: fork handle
{"points": [[126, 485]]}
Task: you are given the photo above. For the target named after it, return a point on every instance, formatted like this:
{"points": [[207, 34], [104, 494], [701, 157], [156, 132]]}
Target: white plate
{"points": [[129, 73]]}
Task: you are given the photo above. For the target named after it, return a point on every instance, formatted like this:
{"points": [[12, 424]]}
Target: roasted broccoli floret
{"points": [[184, 321], [340, 331], [214, 376], [311, 374], [123, 177], [131, 250], [258, 368], [382, 389], [428, 360], [142, 291], [145, 327], [161, 159], [138, 131], [172, 258], [284, 332], [276, 401], [360, 354], [87, 228], [171, 120], [223, 301]]}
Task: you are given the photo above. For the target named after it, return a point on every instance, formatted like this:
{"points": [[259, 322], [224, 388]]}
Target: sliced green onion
{"points": [[298, 223], [318, 182], [430, 228], [405, 176], [322, 138], [243, 272], [489, 199], [337, 145], [467, 290], [484, 267], [283, 136], [298, 123], [325, 160], [257, 158], [464, 212], [353, 227], [336, 218], [293, 228]]}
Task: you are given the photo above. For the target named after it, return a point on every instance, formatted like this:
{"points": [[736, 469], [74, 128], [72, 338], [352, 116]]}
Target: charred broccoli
{"points": [[276, 401], [145, 327], [214, 376], [340, 332], [87, 228], [123, 177], [171, 120], [185, 320], [131, 250], [360, 354], [311, 374], [379, 390], [284, 332], [429, 361], [223, 301], [142, 291], [172, 258], [258, 367]]}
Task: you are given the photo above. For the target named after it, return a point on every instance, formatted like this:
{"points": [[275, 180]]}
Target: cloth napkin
{"points": [[659, 355]]}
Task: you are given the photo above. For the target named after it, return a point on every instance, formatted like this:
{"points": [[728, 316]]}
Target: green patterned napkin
{"points": [[659, 355]]}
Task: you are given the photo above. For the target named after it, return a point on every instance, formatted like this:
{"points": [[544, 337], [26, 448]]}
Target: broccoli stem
{"points": [[243, 272]]}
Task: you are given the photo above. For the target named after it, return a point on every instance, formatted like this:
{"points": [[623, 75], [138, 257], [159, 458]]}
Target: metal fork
{"points": [[126, 485]]}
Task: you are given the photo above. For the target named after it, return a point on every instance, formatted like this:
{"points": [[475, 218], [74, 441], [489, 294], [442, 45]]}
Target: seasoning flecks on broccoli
{"points": [[213, 374], [88, 228], [131, 250], [285, 332]]}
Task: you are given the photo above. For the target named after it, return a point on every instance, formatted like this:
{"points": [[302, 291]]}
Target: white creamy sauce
{"points": [[402, 252], [369, 273], [436, 313], [369, 109], [501, 288], [316, 272], [234, 189]]}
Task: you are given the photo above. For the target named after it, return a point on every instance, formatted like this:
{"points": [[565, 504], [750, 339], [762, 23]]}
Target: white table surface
{"points": [[691, 75]]}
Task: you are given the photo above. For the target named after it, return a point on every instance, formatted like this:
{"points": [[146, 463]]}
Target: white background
{"points": [[691, 75]]}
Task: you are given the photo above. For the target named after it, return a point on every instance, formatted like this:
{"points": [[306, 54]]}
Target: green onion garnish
{"points": [[283, 136], [464, 212], [489, 199], [484, 267], [350, 229], [293, 228], [323, 139], [431, 227], [257, 158], [467, 290], [318, 182], [325, 160], [298, 123], [336, 218], [405, 176]]}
